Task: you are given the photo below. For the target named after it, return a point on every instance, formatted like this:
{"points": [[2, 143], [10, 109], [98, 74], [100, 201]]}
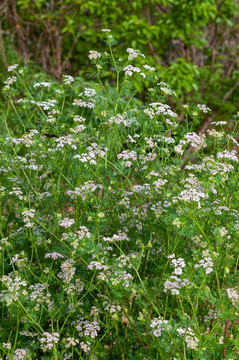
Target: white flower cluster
{"points": [[212, 314], [88, 92], [217, 123], [49, 339], [97, 265], [190, 337], [223, 231], [196, 141], [126, 155], [211, 165], [87, 328], [82, 103], [206, 263], [94, 151], [120, 119], [112, 307], [67, 271], [179, 148], [66, 222], [44, 84], [231, 155], [233, 296], [18, 261], [160, 109], [161, 325], [65, 140], [54, 256], [12, 67], [133, 54], [71, 342], [78, 118], [67, 79], [166, 89], [87, 188], [157, 209], [150, 68], [121, 236], [39, 295], [175, 285], [10, 80], [46, 105], [159, 183], [14, 286], [177, 264], [121, 276], [28, 214], [94, 55], [214, 133], [130, 70], [194, 191], [26, 139], [78, 129], [76, 288], [85, 346], [203, 108], [20, 354], [83, 232]]}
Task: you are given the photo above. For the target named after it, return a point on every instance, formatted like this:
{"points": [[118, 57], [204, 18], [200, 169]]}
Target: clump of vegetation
{"points": [[118, 222]]}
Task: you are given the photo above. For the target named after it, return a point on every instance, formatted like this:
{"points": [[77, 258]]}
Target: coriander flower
{"points": [[66, 222], [133, 54], [67, 79], [54, 255], [203, 108], [94, 55], [12, 67], [45, 84]]}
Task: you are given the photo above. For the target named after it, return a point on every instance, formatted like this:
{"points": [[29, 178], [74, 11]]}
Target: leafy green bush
{"points": [[117, 241], [191, 42]]}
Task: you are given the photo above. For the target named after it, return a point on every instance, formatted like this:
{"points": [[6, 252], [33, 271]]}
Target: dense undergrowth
{"points": [[116, 241]]}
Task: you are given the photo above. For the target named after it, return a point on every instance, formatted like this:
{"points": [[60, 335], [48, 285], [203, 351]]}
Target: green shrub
{"points": [[117, 240]]}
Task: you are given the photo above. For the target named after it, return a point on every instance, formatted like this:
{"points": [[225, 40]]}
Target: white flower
{"points": [[196, 141], [219, 123], [106, 30], [89, 92], [233, 296], [223, 231], [204, 108], [67, 79], [50, 339], [20, 354], [133, 54], [45, 84], [157, 333], [130, 70], [66, 222], [10, 80], [12, 67], [147, 67], [228, 155], [94, 55], [53, 255], [221, 340]]}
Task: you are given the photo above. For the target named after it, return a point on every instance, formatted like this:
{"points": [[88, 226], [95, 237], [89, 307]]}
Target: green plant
{"points": [[117, 242]]}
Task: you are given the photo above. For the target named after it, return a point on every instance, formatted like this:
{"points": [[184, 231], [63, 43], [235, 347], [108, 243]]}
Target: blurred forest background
{"points": [[193, 44]]}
